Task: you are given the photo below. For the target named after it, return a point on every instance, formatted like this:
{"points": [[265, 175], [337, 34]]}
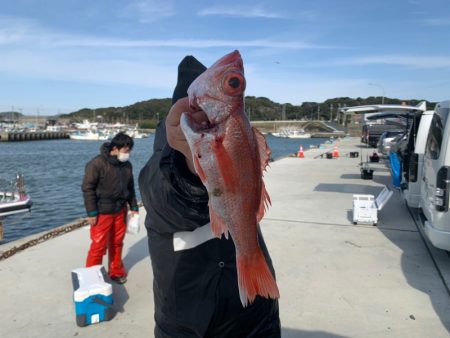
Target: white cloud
{"points": [[148, 10], [28, 33], [15, 30], [436, 22], [306, 88], [184, 43], [71, 68], [246, 12], [398, 60]]}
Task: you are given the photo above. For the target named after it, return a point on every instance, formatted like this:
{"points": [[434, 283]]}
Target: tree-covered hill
{"points": [[258, 108]]}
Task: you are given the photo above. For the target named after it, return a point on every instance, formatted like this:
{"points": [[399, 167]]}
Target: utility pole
{"points": [[318, 112]]}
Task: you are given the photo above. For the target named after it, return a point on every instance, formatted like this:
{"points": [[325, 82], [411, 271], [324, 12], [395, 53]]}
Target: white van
{"points": [[413, 161], [434, 198]]}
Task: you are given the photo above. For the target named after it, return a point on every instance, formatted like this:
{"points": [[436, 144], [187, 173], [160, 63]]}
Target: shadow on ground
{"points": [[348, 188], [136, 253], [392, 225], [294, 333], [121, 296]]}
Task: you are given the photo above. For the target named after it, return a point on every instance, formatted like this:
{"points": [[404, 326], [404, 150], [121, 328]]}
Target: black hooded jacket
{"points": [[195, 290], [108, 184]]}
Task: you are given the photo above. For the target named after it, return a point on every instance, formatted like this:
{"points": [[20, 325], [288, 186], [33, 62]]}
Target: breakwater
{"points": [[317, 129], [32, 136]]}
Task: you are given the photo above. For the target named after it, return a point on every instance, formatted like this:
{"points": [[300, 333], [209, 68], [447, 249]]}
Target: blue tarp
{"points": [[396, 169]]}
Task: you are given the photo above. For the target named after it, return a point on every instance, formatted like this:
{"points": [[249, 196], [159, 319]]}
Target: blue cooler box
{"points": [[92, 295]]}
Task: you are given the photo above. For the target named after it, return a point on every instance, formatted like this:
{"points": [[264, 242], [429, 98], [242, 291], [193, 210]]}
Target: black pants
{"points": [[230, 319], [261, 320]]}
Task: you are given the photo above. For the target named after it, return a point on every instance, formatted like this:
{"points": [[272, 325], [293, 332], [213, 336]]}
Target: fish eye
{"points": [[234, 82]]}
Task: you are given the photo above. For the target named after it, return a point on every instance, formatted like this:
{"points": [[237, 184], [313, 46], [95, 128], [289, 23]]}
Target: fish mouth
{"points": [[206, 123], [204, 127], [200, 123]]}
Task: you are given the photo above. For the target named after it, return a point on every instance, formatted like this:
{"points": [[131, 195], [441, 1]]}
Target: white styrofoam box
{"points": [[366, 207]]}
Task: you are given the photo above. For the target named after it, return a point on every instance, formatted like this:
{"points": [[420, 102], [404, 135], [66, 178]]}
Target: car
{"points": [[412, 156], [385, 141], [371, 133], [435, 180]]}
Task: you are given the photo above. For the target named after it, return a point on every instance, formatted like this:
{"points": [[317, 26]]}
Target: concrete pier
{"points": [[32, 136], [336, 279]]}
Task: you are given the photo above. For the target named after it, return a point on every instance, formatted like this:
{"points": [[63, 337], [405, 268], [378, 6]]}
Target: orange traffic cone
{"points": [[301, 154], [335, 152]]}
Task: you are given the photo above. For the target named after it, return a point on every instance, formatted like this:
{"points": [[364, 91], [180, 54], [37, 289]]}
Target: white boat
{"points": [[14, 203], [134, 133], [298, 134], [291, 133], [13, 199], [89, 136]]}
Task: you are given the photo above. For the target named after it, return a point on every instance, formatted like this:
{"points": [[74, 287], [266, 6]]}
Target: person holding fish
{"points": [[205, 196]]}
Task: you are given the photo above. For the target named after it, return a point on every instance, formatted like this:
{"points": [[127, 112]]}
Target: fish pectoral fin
{"points": [[218, 226], [255, 278], [264, 204], [199, 169], [263, 148]]}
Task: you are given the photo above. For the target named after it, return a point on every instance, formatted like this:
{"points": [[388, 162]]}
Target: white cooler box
{"points": [[92, 295], [365, 207]]}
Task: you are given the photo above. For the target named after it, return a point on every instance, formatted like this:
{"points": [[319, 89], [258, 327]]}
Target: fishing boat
{"points": [[14, 199], [298, 134], [291, 133], [89, 135], [136, 134]]}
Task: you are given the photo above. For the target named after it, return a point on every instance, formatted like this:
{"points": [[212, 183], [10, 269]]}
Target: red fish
{"points": [[230, 157]]}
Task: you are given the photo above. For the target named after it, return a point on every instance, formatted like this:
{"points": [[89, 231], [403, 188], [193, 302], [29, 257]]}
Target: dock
{"points": [[336, 279], [32, 136]]}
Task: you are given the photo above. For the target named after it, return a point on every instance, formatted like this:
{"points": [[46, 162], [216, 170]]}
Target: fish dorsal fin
{"points": [[265, 202], [263, 148], [264, 156]]}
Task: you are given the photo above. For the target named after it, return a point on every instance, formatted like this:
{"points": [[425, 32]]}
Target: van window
{"points": [[434, 141]]}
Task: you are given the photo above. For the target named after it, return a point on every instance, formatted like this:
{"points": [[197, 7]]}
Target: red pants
{"points": [[109, 232]]}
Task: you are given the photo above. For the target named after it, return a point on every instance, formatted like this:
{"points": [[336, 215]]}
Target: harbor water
{"points": [[54, 169]]}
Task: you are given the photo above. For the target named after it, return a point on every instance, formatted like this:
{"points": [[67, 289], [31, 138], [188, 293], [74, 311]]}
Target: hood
{"points": [[104, 152]]}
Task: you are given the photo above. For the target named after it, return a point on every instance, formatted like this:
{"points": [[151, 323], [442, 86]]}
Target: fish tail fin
{"points": [[255, 278]]}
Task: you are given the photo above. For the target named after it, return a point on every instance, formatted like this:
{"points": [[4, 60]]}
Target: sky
{"points": [[58, 56]]}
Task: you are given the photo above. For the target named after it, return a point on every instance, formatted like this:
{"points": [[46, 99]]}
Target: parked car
{"points": [[435, 180], [384, 143], [412, 156], [371, 133]]}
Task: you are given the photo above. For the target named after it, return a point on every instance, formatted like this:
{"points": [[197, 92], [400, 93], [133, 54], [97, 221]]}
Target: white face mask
{"points": [[123, 157]]}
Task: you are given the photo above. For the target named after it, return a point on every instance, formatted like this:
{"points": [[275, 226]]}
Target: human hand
{"points": [[92, 220], [175, 136]]}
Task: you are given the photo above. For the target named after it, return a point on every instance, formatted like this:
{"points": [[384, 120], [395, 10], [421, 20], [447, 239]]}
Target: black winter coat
{"points": [[195, 290], [108, 184]]}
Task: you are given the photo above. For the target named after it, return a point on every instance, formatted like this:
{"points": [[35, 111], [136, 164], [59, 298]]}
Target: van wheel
{"points": [[355, 223], [375, 224]]}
